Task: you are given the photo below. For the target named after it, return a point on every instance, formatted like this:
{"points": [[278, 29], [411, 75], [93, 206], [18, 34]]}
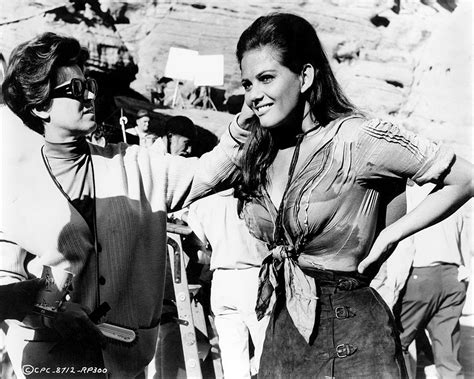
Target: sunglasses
{"points": [[76, 89]]}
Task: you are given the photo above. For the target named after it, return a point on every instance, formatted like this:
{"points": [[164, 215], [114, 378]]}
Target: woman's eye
{"points": [[266, 78], [246, 86]]}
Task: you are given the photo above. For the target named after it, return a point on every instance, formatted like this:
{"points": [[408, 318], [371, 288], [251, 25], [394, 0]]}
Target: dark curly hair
{"points": [[296, 43], [31, 74]]}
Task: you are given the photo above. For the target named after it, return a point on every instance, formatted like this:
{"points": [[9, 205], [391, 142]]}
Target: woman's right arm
{"points": [[190, 179], [457, 189], [453, 176]]}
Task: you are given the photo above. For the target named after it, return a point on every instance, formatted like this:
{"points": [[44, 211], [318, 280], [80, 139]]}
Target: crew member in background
{"points": [[181, 134], [141, 133], [435, 291], [235, 258], [168, 361]]}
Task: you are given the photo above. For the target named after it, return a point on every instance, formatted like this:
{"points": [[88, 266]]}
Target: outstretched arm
{"points": [[189, 179]]}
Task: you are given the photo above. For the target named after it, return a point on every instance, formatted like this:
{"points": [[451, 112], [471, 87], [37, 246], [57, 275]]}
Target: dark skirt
{"points": [[354, 337]]}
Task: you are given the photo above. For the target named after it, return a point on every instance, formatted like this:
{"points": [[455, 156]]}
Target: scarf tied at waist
{"points": [[300, 287]]}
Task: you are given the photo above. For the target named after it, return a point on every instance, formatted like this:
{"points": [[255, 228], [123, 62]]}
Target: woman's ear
{"points": [[41, 112], [307, 77]]}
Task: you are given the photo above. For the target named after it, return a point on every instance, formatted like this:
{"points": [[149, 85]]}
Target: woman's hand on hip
{"points": [[383, 246]]}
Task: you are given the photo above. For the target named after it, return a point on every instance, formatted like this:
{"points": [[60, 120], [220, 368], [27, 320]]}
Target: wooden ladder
{"points": [[191, 316]]}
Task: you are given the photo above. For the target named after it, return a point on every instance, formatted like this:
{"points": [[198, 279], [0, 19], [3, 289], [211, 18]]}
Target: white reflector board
{"points": [[181, 64], [209, 70]]}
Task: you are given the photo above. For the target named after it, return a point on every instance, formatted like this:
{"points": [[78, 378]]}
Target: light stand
{"points": [[180, 67], [177, 96], [207, 102]]}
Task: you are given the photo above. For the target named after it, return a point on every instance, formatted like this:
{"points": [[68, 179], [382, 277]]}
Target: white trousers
{"points": [[233, 299]]}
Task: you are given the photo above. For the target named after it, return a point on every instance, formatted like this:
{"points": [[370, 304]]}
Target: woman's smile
{"points": [[272, 90], [260, 110]]}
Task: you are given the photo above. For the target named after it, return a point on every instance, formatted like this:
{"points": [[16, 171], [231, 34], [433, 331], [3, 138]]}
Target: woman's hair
{"points": [[31, 74], [296, 43]]}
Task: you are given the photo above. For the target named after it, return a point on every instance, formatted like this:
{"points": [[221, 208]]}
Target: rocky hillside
{"points": [[411, 64], [439, 103]]}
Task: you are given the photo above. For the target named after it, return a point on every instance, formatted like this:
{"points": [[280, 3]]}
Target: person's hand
{"points": [[204, 256], [381, 249], [244, 117], [73, 323], [17, 299]]}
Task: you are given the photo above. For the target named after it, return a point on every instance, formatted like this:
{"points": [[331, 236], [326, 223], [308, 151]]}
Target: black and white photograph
{"points": [[231, 189]]}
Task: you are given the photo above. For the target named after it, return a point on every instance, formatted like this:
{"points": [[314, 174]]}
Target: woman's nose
{"points": [[255, 94]]}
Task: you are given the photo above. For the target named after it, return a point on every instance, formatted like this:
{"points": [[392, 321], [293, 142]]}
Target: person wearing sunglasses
{"points": [[77, 89], [98, 212]]}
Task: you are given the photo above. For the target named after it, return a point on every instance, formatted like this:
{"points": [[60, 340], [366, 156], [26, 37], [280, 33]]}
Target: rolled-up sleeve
{"points": [[388, 150], [189, 179]]}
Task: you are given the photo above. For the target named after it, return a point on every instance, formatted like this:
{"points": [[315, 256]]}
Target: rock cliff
{"points": [[411, 63]]}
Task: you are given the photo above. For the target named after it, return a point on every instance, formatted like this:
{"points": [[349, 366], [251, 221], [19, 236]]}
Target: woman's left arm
{"points": [[457, 188]]}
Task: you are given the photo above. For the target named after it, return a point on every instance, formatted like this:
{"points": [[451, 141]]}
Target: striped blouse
{"points": [[331, 207]]}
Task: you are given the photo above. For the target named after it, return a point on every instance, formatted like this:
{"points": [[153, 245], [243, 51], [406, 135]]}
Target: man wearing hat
{"points": [[144, 137], [181, 135]]}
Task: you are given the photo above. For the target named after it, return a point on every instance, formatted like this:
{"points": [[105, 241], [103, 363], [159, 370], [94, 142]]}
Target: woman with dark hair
{"points": [[98, 212], [315, 175]]}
